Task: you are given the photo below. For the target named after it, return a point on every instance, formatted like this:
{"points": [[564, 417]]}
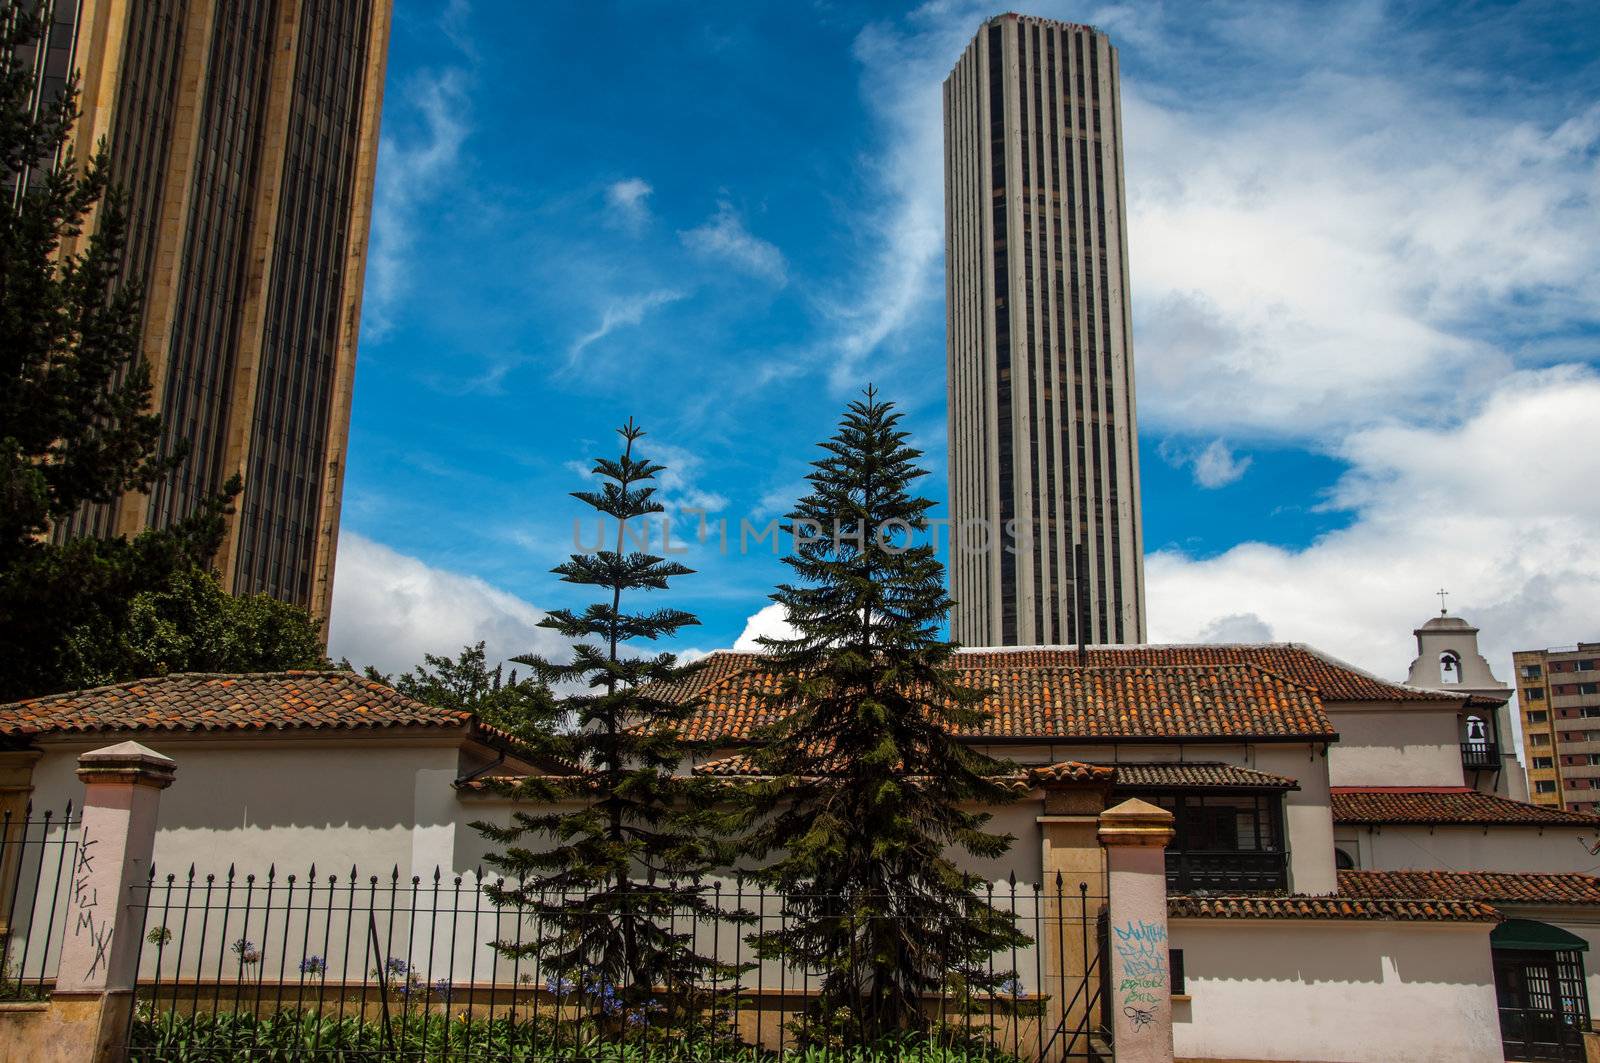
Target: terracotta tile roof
{"points": [[738, 766], [1032, 699], [268, 701], [1199, 777], [741, 766], [1130, 776], [1446, 805], [1333, 679], [1492, 887], [1417, 910]]}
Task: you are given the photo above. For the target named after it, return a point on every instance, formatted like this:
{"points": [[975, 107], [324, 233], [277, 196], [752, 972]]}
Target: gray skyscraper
{"points": [[1042, 433]]}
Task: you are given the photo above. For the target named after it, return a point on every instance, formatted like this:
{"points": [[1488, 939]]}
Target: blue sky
{"points": [[1365, 260]]}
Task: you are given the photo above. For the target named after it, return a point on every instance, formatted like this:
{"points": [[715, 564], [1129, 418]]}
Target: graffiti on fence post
{"points": [[1141, 949], [86, 902]]}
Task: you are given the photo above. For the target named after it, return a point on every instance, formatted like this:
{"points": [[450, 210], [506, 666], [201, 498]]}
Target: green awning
{"points": [[1530, 934]]}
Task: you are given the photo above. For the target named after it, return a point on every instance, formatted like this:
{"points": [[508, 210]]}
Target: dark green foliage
{"points": [[192, 625], [606, 872], [307, 1036], [519, 705], [75, 429], [871, 795]]}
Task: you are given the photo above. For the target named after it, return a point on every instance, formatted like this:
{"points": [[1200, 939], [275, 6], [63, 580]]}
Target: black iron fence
{"points": [[352, 966], [37, 855]]}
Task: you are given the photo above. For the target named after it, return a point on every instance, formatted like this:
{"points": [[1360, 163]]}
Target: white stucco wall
{"points": [[1505, 848], [371, 802], [1395, 744], [1307, 814], [1338, 991]]}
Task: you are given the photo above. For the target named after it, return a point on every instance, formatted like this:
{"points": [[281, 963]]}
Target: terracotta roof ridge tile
{"points": [[1340, 663]]}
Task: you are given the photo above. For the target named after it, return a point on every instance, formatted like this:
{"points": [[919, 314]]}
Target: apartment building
{"points": [[1558, 692]]}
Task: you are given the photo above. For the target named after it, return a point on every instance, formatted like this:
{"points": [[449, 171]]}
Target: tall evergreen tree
{"points": [[607, 878], [76, 427], [871, 795]]}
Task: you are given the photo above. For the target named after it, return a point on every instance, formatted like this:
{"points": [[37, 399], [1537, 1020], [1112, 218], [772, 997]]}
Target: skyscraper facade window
{"points": [[1043, 441], [244, 136]]}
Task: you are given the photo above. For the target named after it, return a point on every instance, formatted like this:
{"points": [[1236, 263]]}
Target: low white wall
{"points": [[1504, 848], [261, 802], [1339, 991], [1390, 743]]}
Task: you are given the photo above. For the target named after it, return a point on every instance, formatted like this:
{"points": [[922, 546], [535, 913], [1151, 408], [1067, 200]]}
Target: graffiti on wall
{"points": [[86, 904], [1143, 978]]}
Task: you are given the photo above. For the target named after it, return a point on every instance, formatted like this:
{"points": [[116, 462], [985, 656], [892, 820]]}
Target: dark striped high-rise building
{"points": [[244, 134], [1043, 443]]}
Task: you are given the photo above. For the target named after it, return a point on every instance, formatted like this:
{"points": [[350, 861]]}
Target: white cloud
{"points": [[411, 170], [627, 203], [899, 281], [1213, 465], [390, 609], [780, 501], [725, 237], [1496, 510], [770, 622], [1216, 465], [678, 486], [623, 312], [1333, 259], [1236, 627]]}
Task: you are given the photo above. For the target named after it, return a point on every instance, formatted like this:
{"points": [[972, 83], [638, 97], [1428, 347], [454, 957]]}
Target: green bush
{"points": [[304, 1035]]}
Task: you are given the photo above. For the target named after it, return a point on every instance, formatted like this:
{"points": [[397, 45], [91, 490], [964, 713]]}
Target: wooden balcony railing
{"points": [[1226, 871]]}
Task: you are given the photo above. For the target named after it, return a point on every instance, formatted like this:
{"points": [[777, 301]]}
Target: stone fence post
{"points": [[1135, 835], [100, 952]]}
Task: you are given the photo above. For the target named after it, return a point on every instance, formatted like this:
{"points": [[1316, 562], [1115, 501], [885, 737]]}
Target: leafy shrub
{"points": [[285, 1036]]}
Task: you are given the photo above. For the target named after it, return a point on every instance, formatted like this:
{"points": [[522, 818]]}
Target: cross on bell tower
{"points": [[1441, 592]]}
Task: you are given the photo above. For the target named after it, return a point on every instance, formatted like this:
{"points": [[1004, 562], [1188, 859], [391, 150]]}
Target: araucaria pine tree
{"points": [[605, 871], [872, 799]]}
